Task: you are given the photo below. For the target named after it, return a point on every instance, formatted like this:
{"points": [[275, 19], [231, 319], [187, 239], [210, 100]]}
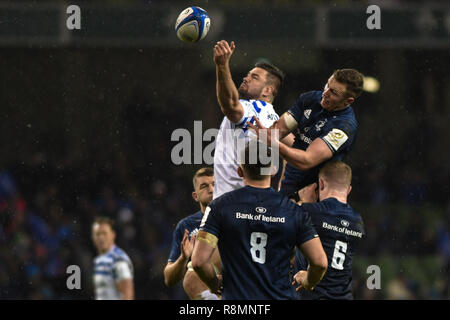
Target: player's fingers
{"points": [[232, 46], [219, 50], [223, 42], [300, 287], [252, 126], [224, 46], [258, 123]]}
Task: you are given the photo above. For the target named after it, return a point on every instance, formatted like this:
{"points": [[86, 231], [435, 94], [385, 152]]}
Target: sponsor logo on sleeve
{"points": [[307, 113], [336, 138]]}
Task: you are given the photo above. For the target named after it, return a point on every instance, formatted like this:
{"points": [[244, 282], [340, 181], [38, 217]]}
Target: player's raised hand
{"points": [[301, 279], [187, 245], [308, 193], [223, 52]]}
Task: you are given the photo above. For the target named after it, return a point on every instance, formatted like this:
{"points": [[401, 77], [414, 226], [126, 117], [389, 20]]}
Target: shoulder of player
{"points": [[118, 254], [194, 216], [346, 117], [310, 97], [226, 199]]}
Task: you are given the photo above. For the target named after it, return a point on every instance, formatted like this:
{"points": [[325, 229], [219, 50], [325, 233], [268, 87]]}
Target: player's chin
{"points": [[243, 93], [325, 104]]}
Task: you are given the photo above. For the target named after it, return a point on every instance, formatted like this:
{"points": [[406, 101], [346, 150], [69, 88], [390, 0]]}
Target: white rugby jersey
{"points": [[230, 141], [109, 268]]}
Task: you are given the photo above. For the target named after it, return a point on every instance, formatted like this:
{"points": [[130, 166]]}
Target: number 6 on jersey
{"points": [[258, 241], [340, 248]]}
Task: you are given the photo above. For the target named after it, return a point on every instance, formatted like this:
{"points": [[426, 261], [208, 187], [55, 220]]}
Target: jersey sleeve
{"points": [[211, 220], [264, 111], [336, 134], [122, 270], [248, 112], [298, 108], [306, 230], [175, 250]]}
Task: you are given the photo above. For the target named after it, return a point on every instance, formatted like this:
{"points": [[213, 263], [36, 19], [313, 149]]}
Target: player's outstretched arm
{"points": [[286, 125], [227, 93], [175, 271], [318, 263], [201, 260], [317, 152]]}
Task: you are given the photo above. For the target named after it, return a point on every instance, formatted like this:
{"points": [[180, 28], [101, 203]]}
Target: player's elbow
{"points": [[303, 164], [168, 280], [197, 264], [232, 115]]}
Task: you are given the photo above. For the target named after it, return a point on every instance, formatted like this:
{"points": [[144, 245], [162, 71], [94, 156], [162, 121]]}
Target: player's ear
{"points": [[321, 184], [240, 172], [195, 196], [349, 189], [350, 100], [269, 90]]}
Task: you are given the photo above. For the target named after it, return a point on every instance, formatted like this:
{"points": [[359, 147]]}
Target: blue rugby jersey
{"points": [[337, 129]]}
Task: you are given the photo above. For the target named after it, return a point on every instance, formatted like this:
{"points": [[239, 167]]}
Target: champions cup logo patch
{"points": [[336, 138]]}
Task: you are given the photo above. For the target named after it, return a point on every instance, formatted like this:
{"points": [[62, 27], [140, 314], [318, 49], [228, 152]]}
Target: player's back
{"points": [[257, 230], [340, 229]]}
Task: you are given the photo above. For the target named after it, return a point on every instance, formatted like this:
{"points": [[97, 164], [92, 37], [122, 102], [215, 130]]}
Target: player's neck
{"points": [[257, 183], [337, 195], [266, 99], [107, 250]]}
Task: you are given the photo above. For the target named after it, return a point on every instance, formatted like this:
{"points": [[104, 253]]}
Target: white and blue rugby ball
{"points": [[192, 24]]}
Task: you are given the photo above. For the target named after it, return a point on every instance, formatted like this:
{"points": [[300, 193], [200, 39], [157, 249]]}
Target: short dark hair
{"points": [[251, 163], [105, 220], [202, 172], [275, 77], [353, 80]]}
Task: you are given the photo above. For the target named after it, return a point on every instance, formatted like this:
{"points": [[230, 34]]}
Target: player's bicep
{"points": [[286, 124], [289, 140], [317, 152], [126, 287], [205, 243], [235, 113]]}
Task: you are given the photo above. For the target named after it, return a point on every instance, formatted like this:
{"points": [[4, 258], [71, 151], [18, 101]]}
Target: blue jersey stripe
{"points": [[263, 103], [255, 105], [103, 273], [243, 121], [100, 264]]}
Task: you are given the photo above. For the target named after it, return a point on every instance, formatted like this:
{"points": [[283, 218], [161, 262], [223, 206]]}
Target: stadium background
{"points": [[87, 116]]}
